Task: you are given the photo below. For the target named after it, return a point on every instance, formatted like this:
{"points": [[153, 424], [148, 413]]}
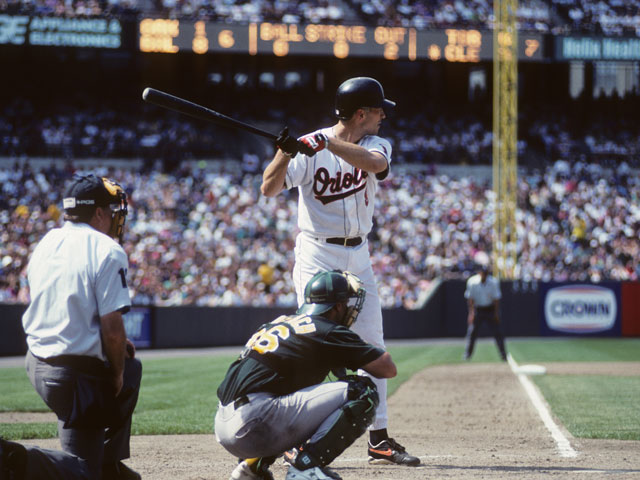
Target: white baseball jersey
{"points": [[336, 199], [76, 275], [483, 294]]}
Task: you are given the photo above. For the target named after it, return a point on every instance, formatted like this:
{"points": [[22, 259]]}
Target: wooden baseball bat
{"points": [[166, 100]]}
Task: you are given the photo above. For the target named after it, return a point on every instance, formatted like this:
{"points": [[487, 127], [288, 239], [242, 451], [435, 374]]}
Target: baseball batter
{"points": [[336, 171], [273, 401]]}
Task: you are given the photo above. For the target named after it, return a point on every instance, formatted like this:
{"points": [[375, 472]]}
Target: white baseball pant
{"points": [[313, 255]]}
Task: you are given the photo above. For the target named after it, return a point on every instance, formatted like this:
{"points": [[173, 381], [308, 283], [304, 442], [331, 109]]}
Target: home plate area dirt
{"points": [[470, 421]]}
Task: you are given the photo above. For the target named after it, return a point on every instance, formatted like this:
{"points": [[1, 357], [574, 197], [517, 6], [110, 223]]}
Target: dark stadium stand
{"points": [[71, 129]]}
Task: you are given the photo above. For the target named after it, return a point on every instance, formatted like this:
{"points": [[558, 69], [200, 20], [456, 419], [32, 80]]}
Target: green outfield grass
{"points": [[178, 395]]}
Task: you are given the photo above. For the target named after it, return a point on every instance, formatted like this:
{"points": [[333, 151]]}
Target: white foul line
{"points": [[564, 447]]}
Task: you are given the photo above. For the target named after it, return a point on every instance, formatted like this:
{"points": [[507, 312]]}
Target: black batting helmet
{"points": [[360, 92], [326, 289]]}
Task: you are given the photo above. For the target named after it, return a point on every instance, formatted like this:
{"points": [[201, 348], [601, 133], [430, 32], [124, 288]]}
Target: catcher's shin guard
{"points": [[352, 421]]}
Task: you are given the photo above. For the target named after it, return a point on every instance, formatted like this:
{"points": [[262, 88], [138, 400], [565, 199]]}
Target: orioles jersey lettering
{"points": [[336, 199], [323, 181]]}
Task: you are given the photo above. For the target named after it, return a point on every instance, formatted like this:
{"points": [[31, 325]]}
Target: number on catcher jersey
{"points": [[268, 339]]}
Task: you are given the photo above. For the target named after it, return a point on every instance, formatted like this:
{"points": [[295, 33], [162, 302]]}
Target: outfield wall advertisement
{"points": [[580, 309], [137, 323], [60, 32]]}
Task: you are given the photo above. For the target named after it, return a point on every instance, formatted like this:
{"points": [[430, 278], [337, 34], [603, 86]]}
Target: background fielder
{"points": [[336, 171], [483, 300]]}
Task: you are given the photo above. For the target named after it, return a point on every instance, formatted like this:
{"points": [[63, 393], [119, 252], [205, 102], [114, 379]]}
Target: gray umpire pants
{"points": [[85, 450]]}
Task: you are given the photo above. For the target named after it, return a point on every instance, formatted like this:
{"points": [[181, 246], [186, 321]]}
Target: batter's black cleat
{"points": [[390, 451], [13, 460]]}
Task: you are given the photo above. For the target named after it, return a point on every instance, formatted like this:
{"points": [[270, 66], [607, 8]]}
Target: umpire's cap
{"points": [[325, 289], [360, 92], [92, 191]]}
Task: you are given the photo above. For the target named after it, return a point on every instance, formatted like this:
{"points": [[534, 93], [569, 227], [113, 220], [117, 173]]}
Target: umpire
{"points": [[483, 299], [79, 360], [273, 401]]}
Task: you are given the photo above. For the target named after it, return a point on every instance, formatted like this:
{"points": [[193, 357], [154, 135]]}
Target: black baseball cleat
{"points": [[390, 451], [13, 460]]}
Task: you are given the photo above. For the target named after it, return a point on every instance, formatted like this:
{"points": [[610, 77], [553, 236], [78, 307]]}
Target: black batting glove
{"points": [[288, 144]]}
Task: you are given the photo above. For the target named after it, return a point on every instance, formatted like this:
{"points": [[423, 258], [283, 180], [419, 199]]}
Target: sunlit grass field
{"points": [[178, 395]]}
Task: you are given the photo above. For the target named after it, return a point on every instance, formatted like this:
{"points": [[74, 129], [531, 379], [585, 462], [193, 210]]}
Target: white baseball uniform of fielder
{"points": [[63, 317], [337, 199], [483, 294]]}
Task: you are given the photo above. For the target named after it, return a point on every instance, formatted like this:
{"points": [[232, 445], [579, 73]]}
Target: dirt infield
{"points": [[471, 421]]}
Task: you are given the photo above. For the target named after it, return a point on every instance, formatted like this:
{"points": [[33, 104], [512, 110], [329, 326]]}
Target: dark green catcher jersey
{"points": [[291, 353]]}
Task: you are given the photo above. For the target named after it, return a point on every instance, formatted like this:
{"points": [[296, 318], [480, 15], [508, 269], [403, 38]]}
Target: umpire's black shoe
{"points": [[119, 471], [13, 460], [390, 451]]}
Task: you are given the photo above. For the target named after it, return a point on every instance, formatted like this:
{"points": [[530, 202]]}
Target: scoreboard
{"points": [[340, 41], [161, 35]]}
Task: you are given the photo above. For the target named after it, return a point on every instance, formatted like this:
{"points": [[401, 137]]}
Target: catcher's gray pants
{"points": [[269, 425], [86, 449]]}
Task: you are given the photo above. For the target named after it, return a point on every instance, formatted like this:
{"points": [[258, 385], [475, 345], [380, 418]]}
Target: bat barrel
{"points": [[171, 102]]}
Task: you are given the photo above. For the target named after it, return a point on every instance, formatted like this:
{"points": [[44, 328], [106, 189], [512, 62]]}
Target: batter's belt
{"points": [[344, 241]]}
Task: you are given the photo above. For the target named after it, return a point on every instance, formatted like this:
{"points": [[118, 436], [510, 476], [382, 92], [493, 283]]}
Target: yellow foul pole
{"points": [[505, 136]]}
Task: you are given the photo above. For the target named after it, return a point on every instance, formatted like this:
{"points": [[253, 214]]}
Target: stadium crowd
{"points": [[72, 8], [531, 14], [207, 237], [605, 17]]}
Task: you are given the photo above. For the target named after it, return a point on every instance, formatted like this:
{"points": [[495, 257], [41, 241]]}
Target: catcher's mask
{"points": [[88, 192], [326, 289]]}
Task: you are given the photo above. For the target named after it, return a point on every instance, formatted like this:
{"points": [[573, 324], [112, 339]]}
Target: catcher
{"points": [[273, 401]]}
